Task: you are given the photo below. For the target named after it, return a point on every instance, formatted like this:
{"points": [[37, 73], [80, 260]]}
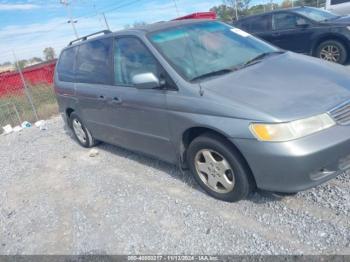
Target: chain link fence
{"points": [[27, 94]]}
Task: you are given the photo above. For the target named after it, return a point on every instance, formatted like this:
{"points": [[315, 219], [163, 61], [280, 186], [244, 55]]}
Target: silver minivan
{"points": [[237, 112]]}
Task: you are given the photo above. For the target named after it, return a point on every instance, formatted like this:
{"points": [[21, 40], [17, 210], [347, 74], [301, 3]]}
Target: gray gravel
{"points": [[56, 199]]}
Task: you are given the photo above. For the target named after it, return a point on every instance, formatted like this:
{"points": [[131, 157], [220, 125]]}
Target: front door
{"points": [[138, 117], [289, 35]]}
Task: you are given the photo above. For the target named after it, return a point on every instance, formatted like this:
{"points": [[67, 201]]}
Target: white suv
{"points": [[340, 7]]}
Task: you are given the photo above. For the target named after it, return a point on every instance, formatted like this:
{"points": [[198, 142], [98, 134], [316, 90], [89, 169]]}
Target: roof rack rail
{"points": [[86, 37]]}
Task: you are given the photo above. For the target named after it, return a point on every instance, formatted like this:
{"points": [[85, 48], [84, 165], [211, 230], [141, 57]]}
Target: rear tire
{"points": [[81, 132], [219, 168], [332, 51]]}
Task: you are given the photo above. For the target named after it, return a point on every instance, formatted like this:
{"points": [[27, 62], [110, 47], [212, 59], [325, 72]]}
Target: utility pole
{"points": [[70, 21], [236, 9], [106, 22]]}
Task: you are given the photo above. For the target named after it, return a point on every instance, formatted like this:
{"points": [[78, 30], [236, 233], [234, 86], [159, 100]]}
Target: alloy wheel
{"points": [[214, 171], [78, 130], [330, 53]]}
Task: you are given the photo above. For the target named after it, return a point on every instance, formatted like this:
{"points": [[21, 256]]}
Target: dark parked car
{"points": [[304, 30], [238, 112]]}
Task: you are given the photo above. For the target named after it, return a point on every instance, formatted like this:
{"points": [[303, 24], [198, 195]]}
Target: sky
{"points": [[28, 26]]}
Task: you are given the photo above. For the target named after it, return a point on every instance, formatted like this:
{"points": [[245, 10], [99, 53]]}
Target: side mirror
{"points": [[146, 81]]}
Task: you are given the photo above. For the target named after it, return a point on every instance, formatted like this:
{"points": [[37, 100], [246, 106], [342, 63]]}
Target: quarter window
{"points": [[65, 67], [260, 24], [131, 57], [94, 62]]}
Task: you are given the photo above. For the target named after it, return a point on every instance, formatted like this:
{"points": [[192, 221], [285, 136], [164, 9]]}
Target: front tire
{"points": [[81, 132], [332, 51], [219, 168]]}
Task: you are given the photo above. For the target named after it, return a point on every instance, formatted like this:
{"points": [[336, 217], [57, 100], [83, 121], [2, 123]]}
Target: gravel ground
{"points": [[56, 199]]}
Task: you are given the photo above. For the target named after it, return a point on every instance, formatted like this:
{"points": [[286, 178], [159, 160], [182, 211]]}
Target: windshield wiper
{"points": [[261, 57], [236, 68], [214, 73]]}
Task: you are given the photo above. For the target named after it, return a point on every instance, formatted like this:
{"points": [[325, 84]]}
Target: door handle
{"points": [[102, 97], [116, 100], [276, 34]]}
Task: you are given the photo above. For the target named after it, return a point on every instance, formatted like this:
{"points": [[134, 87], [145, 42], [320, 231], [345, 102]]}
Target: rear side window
{"points": [[256, 24], [284, 21], [337, 2], [65, 67], [260, 24], [94, 62]]}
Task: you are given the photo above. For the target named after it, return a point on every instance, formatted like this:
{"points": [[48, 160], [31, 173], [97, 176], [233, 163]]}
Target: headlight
{"points": [[291, 130]]}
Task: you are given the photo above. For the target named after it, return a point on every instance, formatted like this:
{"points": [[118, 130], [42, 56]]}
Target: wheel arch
{"points": [[327, 37], [68, 112], [191, 133]]}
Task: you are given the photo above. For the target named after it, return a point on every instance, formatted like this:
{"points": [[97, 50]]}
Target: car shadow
{"points": [[258, 196]]}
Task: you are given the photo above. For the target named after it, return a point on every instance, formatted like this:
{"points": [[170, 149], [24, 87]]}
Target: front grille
{"points": [[341, 114]]}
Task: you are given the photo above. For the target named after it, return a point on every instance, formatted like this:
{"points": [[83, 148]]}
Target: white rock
{"points": [[17, 129], [41, 124], [322, 234], [7, 129], [93, 152]]}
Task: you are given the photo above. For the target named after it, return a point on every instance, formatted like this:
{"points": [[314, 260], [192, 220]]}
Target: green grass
{"points": [[44, 101]]}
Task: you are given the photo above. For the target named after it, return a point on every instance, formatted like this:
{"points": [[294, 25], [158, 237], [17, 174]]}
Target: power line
{"points": [[177, 10], [34, 47], [105, 10]]}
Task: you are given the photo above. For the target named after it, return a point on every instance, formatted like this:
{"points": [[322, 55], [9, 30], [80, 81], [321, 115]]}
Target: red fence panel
{"points": [[34, 75], [200, 15]]}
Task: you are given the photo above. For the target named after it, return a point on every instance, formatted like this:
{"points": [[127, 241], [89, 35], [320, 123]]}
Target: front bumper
{"points": [[300, 164]]}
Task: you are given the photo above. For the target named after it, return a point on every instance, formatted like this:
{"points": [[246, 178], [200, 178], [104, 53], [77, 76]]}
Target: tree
{"points": [[7, 63], [224, 13], [49, 53], [242, 5], [35, 60], [135, 24], [227, 10], [22, 63], [257, 9], [286, 3], [139, 23]]}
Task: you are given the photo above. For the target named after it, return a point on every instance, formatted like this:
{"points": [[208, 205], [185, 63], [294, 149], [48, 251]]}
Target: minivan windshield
{"points": [[208, 48], [316, 14]]}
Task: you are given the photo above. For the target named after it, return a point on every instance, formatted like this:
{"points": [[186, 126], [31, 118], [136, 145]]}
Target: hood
{"points": [[283, 87], [342, 20]]}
